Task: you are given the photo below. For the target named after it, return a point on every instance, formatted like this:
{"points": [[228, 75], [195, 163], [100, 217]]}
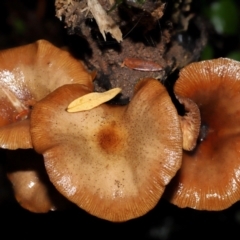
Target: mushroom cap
{"points": [[31, 185], [112, 161], [27, 74], [209, 177]]}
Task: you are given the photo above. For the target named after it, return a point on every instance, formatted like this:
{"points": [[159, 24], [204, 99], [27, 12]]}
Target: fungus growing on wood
{"points": [[30, 183], [27, 74], [209, 177], [113, 161]]}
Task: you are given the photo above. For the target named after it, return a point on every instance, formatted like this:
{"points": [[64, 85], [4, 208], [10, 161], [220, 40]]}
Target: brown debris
{"points": [[147, 36]]}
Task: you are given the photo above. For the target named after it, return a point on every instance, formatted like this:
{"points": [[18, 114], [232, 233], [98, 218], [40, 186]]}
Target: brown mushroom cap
{"points": [[31, 185], [112, 161], [209, 178], [27, 74]]}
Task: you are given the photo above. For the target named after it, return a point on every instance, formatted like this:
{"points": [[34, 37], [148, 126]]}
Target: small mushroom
{"points": [[27, 74], [31, 185], [209, 178], [113, 161]]}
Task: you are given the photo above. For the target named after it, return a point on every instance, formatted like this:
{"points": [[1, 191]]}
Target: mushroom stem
{"points": [[190, 123]]}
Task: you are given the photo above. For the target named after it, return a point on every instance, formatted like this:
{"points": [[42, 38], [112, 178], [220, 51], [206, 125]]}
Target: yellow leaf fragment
{"points": [[92, 100]]}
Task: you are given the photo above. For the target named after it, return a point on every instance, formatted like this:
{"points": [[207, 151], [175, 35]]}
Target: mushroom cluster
{"points": [[28, 74], [114, 161]]}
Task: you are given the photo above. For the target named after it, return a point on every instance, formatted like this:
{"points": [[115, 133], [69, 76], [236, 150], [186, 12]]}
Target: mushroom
{"points": [[27, 74], [31, 185], [209, 178], [113, 161]]}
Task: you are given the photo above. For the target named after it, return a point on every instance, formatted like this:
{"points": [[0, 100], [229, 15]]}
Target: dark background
{"points": [[24, 21]]}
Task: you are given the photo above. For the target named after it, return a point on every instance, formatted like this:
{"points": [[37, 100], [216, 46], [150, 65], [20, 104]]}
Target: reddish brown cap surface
{"points": [[210, 174], [112, 161], [27, 74]]}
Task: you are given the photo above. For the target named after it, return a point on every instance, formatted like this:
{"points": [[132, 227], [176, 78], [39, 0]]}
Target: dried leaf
{"points": [[92, 100], [104, 21]]}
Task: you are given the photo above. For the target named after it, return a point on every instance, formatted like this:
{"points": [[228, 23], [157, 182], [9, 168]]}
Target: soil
{"points": [[171, 41]]}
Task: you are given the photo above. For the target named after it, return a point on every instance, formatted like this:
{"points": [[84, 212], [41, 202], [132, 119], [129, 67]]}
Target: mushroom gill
{"points": [[113, 161]]}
